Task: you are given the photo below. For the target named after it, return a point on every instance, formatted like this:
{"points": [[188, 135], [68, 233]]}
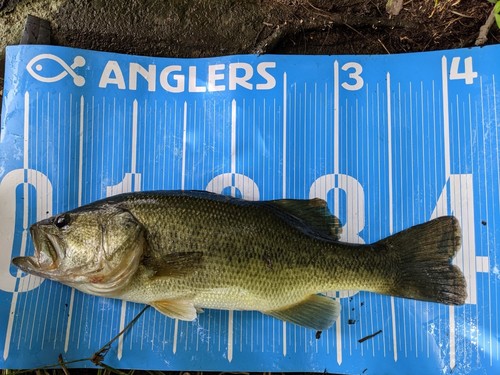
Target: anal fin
{"points": [[176, 309], [316, 312]]}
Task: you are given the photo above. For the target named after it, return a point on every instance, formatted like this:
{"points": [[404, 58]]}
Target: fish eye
{"points": [[62, 220]]}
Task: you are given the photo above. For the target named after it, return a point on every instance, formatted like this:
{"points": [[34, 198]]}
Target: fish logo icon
{"points": [[34, 67]]}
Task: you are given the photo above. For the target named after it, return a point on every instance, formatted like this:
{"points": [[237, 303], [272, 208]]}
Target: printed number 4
{"points": [[468, 74]]}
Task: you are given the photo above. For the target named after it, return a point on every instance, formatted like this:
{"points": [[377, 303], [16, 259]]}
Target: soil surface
{"points": [[195, 28]]}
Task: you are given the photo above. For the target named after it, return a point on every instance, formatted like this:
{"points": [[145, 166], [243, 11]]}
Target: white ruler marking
{"points": [[23, 313], [135, 116], [490, 314], [485, 259], [336, 117], [35, 314], [123, 311], [284, 174], [338, 331], [134, 186], [409, 342], [10, 323], [80, 187], [452, 337], [233, 144], [184, 140], [220, 328], [230, 336], [336, 171], [26, 128], [446, 118], [389, 152], [447, 168], [391, 207], [183, 177], [230, 323], [80, 160], [422, 127], [284, 132], [304, 135]]}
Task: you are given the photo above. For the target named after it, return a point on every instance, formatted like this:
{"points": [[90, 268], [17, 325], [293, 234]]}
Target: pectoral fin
{"points": [[316, 312], [176, 309], [175, 264]]}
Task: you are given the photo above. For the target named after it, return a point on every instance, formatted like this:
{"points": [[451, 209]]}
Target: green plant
{"points": [[496, 11]]}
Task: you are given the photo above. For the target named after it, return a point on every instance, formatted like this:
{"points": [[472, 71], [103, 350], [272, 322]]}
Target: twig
{"points": [[112, 370], [52, 366], [483, 31], [356, 31], [99, 355], [260, 33], [272, 40], [383, 45], [373, 22], [315, 8], [370, 336], [63, 365], [322, 21], [461, 14]]}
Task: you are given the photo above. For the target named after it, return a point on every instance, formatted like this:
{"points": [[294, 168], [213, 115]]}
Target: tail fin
{"points": [[424, 253]]}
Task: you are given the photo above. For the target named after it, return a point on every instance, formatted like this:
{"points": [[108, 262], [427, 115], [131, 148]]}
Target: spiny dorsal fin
{"points": [[174, 264], [176, 309], [316, 312], [313, 213]]}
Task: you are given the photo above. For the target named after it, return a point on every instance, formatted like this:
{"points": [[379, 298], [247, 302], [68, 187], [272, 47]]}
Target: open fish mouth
{"points": [[28, 264], [48, 251], [45, 260]]}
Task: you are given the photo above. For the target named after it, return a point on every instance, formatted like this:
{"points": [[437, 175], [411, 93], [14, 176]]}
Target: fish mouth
{"points": [[48, 250], [29, 264], [46, 258]]}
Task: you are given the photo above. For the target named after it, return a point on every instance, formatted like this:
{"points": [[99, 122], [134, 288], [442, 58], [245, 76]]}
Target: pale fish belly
{"points": [[143, 290]]}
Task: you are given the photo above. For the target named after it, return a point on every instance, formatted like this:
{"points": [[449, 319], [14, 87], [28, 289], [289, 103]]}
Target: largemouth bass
{"points": [[182, 251]]}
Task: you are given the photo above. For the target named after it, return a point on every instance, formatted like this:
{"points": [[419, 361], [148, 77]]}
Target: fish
{"points": [[185, 251]]}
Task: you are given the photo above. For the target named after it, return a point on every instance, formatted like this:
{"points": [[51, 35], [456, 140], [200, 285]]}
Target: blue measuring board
{"points": [[388, 141]]}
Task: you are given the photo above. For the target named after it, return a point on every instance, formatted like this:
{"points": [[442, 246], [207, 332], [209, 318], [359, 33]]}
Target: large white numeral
{"points": [[355, 75], [468, 74], [131, 182], [355, 209], [247, 187], [458, 193], [456, 198], [354, 205], [8, 202]]}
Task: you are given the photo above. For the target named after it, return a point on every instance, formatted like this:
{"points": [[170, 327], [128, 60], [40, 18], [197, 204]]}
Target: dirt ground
{"points": [[195, 28]]}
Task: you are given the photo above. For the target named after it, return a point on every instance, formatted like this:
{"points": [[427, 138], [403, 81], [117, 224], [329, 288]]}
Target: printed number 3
{"points": [[354, 75]]}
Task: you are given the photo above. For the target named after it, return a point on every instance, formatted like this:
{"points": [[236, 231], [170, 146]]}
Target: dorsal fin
{"points": [[313, 213]]}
